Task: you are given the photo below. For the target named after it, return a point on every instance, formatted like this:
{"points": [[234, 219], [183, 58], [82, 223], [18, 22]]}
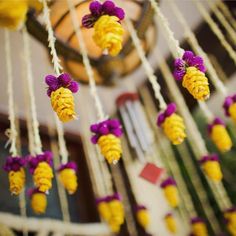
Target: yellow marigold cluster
{"points": [[62, 101], [199, 229], [172, 195], [110, 147], [196, 83], [221, 138], [108, 34], [174, 128], [231, 222], [170, 223], [213, 170], [143, 218], [232, 111], [68, 179], [42, 176], [16, 181], [39, 202]]}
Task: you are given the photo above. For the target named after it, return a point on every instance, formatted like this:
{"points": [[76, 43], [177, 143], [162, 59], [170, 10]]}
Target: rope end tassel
{"points": [[230, 107], [170, 223], [68, 177], [107, 135], [60, 91], [142, 216], [105, 19], [230, 220], [172, 124], [220, 135], [211, 167], [38, 201], [198, 226], [171, 192], [41, 168], [16, 173], [191, 70], [111, 210]]}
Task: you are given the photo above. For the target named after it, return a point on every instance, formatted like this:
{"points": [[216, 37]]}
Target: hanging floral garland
{"points": [[230, 220], [170, 223], [198, 227], [142, 216], [230, 107], [105, 19], [38, 200]]}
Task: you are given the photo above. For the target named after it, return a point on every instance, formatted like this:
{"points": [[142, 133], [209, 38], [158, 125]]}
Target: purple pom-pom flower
{"points": [[14, 163], [171, 109]]}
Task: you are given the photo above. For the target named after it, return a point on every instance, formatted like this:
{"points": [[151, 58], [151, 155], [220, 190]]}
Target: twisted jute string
{"points": [[57, 68], [216, 30], [196, 140], [219, 85], [92, 84], [224, 8], [146, 65], [30, 87], [230, 30], [12, 132]]}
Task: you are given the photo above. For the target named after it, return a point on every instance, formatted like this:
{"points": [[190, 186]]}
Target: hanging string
{"points": [[216, 30], [148, 69], [227, 13], [223, 20], [198, 49], [11, 133], [29, 78], [173, 43], [93, 90], [51, 38]]}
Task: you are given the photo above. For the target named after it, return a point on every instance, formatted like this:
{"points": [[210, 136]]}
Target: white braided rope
{"points": [[206, 111], [30, 86], [93, 90], [198, 50], [216, 30], [223, 20], [169, 34], [12, 132], [51, 38], [148, 68]]}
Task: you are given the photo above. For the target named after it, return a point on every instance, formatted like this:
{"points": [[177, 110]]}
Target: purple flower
{"points": [[95, 8], [171, 108], [228, 102], [216, 121], [168, 215], [167, 182], [188, 59], [104, 128], [63, 80], [68, 165], [211, 157], [34, 161], [14, 163], [32, 191], [108, 7], [197, 219], [140, 207]]}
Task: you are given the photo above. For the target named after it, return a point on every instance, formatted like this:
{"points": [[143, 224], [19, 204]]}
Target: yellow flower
{"points": [[172, 195], [196, 83], [143, 218], [108, 34], [232, 111], [110, 147], [16, 181], [68, 179], [213, 170], [43, 176], [39, 202], [231, 224], [221, 138], [174, 128], [171, 223], [199, 229], [62, 101], [104, 211]]}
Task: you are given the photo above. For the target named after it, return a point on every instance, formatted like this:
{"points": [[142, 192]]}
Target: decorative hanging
{"points": [[111, 210], [211, 167], [230, 219], [171, 192], [142, 216], [170, 222], [38, 200], [219, 135], [105, 19], [198, 227], [172, 124], [67, 176], [230, 107]]}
